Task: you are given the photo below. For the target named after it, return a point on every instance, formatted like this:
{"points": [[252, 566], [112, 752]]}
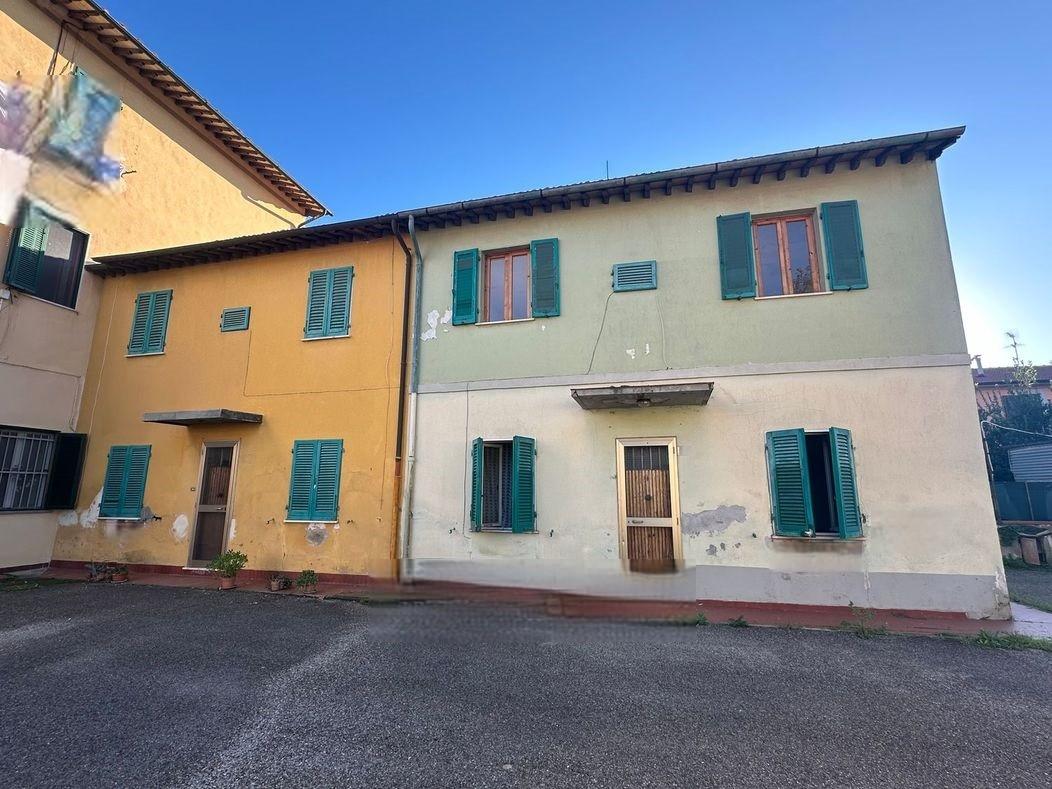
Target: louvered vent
{"points": [[635, 276], [234, 319]]}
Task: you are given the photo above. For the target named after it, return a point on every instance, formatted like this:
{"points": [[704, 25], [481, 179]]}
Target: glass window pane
{"points": [[519, 286], [61, 264], [495, 289], [769, 263], [799, 257]]}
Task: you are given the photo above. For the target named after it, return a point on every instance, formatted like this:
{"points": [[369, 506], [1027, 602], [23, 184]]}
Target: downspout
{"points": [[400, 431], [404, 519]]}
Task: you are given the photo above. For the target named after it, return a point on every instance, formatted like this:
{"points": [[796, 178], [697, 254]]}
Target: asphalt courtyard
{"points": [[132, 685]]}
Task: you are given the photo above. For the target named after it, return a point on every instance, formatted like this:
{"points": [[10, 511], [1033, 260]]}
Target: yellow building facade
{"points": [[213, 482], [166, 169]]}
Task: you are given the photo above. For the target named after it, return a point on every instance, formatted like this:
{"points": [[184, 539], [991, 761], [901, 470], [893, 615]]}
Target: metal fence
{"points": [[1024, 501]]}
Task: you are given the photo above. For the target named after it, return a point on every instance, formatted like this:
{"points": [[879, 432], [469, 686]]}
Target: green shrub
{"points": [[307, 578], [228, 563]]}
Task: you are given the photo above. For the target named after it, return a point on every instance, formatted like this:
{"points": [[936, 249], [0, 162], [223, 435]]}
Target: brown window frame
{"points": [[784, 264], [507, 255]]}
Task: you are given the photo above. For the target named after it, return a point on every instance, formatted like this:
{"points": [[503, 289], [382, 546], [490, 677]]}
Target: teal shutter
{"points": [[523, 467], [234, 319], [544, 258], [317, 301], [137, 338], [737, 268], [634, 276], [158, 326], [113, 483], [790, 484], [327, 480], [124, 485], [845, 258], [301, 484], [476, 483], [848, 516], [465, 286], [338, 319], [27, 251]]}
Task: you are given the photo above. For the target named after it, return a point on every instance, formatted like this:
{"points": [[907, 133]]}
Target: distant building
{"points": [[993, 383]]}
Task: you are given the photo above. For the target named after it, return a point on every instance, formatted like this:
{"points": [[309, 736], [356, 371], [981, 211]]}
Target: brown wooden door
{"points": [[648, 508], [212, 501]]}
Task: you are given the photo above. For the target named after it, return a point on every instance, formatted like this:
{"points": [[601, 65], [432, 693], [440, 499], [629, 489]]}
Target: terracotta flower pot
{"points": [[227, 581], [119, 578], [310, 589], [276, 585]]}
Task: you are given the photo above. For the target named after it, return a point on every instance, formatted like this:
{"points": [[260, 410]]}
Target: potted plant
{"points": [[227, 564], [308, 581], [279, 582], [118, 573], [98, 572]]}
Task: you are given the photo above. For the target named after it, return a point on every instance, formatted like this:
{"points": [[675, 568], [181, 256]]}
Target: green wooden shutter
{"points": [[27, 251], [138, 462], [476, 483], [327, 480], [157, 330], [317, 303], [301, 484], [845, 258], [523, 467], [790, 484], [634, 276], [140, 322], [848, 516], [113, 483], [338, 319], [544, 258], [235, 319], [737, 267], [465, 286]]}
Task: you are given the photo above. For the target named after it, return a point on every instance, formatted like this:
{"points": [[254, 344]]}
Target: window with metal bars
{"points": [[25, 468]]}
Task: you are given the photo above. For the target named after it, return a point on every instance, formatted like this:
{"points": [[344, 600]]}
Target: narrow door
{"points": [[649, 504], [212, 502]]}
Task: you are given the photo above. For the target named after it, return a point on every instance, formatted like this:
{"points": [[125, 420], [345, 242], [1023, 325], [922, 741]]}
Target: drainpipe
{"points": [[404, 519]]}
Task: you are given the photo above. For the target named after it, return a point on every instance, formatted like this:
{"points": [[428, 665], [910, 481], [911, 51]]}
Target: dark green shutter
{"points": [[317, 300], [465, 286], [523, 467], [67, 464], [301, 484], [476, 483], [124, 485], [737, 268], [140, 321], [544, 259], [327, 480], [790, 484], [158, 326], [338, 319], [27, 251], [113, 483], [845, 484], [845, 258]]}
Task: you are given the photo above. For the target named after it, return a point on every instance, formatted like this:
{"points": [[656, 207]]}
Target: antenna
{"points": [[608, 169]]}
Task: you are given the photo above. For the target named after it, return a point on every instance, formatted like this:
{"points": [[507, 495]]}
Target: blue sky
{"points": [[384, 106]]}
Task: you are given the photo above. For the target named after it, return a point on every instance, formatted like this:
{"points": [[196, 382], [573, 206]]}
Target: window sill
{"points": [[295, 521], [42, 300], [134, 355], [327, 337], [116, 518], [830, 540], [795, 295], [502, 323], [496, 530]]}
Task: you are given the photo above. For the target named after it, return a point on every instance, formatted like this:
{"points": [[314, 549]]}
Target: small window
{"points": [[25, 466], [786, 255], [506, 285], [503, 485], [329, 303], [813, 484], [149, 330], [46, 257], [124, 486], [314, 486]]}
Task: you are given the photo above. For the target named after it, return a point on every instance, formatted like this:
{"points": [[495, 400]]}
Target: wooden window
{"points": [[503, 485], [46, 257], [506, 285], [314, 485], [124, 485], [786, 255]]}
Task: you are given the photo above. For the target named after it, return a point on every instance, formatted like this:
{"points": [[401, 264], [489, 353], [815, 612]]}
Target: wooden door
{"points": [[649, 504], [213, 499]]}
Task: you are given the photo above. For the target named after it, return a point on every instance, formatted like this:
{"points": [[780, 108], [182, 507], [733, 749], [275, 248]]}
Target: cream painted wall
{"points": [[182, 190], [910, 308], [930, 536]]}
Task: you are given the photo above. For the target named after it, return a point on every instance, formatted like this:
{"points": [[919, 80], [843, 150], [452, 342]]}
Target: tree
{"points": [[1016, 418]]}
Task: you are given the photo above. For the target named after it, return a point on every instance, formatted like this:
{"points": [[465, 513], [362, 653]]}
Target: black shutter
{"points": [[66, 466]]}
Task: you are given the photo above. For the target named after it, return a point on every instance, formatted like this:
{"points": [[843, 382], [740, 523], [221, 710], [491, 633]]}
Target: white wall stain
{"points": [[631, 352], [317, 533], [69, 518], [447, 316], [432, 326], [647, 349], [233, 529], [90, 516], [180, 527]]}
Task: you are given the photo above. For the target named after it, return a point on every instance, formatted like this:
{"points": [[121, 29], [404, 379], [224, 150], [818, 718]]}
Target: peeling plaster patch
{"points": [[69, 518], [317, 532], [110, 527], [631, 352], [90, 516], [544, 327], [180, 528], [647, 349], [447, 316], [711, 550], [233, 529], [432, 326], [713, 521]]}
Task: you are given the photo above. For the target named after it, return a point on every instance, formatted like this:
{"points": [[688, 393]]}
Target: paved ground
{"points": [[110, 685], [1031, 586]]}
